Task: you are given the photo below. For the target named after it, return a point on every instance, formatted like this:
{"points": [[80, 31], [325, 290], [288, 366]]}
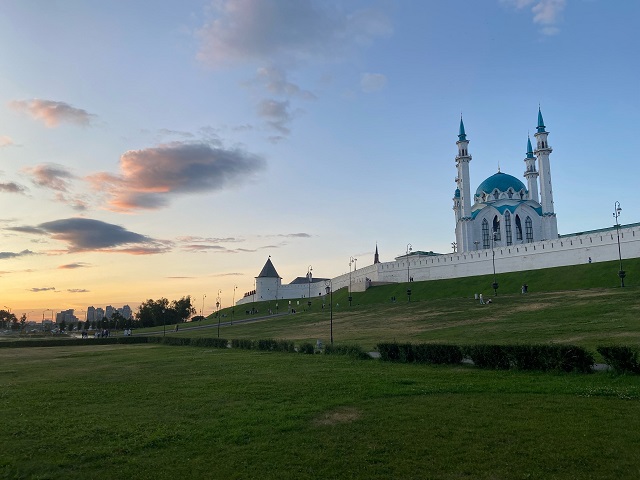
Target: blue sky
{"points": [[168, 151]]}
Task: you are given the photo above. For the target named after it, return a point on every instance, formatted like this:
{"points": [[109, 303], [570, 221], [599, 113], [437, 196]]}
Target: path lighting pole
{"points": [[9, 312], [351, 260], [218, 305], [409, 247], [233, 307], [309, 270], [202, 309], [616, 213], [164, 326], [329, 290], [493, 260]]}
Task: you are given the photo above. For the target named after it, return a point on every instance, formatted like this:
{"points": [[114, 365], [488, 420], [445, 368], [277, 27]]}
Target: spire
{"points": [[461, 135], [376, 257], [529, 149], [540, 121]]}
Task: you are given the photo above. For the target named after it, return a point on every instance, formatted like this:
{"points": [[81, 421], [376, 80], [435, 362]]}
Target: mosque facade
{"points": [[505, 225]]}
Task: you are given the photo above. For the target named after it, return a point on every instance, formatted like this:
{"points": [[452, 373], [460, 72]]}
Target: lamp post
{"points": [[218, 305], [493, 260], [454, 245], [329, 290], [409, 247], [476, 243], [202, 309], [164, 326], [233, 307], [351, 260], [616, 213], [309, 270]]}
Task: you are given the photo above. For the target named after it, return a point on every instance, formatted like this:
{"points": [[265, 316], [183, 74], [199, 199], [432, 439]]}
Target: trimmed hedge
{"points": [[622, 359], [242, 343], [66, 342], [354, 351], [307, 348], [565, 358], [433, 353]]}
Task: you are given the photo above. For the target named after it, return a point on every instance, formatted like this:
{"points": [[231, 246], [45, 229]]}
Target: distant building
{"points": [[109, 311], [99, 314], [91, 314], [125, 312]]}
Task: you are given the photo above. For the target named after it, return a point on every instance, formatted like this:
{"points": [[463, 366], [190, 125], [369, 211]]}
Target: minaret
{"points": [[531, 174], [376, 257], [543, 150], [462, 198]]}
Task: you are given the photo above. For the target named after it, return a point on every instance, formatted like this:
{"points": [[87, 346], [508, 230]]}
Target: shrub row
{"points": [[194, 342], [354, 351], [65, 342], [566, 358], [434, 353], [622, 359], [269, 345]]}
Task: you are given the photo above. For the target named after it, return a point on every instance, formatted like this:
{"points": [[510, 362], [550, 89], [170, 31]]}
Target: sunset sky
{"points": [[163, 149]]}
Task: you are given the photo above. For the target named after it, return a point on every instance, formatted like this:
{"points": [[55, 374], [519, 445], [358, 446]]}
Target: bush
{"points": [[389, 352], [242, 343], [565, 358], [307, 348], [209, 342], [621, 358], [354, 351], [437, 354], [487, 356]]}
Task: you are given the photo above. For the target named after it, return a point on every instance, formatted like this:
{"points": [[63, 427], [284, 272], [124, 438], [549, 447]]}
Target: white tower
{"points": [[531, 174], [462, 198], [543, 150]]}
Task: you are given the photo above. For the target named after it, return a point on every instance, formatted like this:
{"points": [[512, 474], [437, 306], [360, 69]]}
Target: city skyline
{"points": [[148, 153]]}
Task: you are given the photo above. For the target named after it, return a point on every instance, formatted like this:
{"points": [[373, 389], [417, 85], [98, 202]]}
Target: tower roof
{"points": [[461, 135], [529, 149], [540, 122], [268, 271]]}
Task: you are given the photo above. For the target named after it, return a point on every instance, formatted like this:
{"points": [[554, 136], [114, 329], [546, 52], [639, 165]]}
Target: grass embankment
{"points": [[170, 412]]}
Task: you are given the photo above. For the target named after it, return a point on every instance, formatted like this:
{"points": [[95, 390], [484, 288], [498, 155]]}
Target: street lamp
{"points": [[233, 307], [351, 260], [409, 247], [164, 326], [202, 309], [493, 260], [218, 305], [309, 270], [616, 213], [329, 290], [454, 245], [477, 243]]}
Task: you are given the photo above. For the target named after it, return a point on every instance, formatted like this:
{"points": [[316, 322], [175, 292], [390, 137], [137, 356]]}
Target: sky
{"points": [[168, 149]]}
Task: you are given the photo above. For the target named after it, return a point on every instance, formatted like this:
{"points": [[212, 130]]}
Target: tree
{"points": [[153, 313], [8, 319], [23, 321]]}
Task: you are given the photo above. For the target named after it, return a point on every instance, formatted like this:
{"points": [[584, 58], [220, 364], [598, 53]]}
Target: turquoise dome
{"points": [[502, 182]]}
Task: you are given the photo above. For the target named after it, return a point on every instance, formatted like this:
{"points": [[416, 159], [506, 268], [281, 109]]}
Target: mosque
{"points": [[509, 225]]}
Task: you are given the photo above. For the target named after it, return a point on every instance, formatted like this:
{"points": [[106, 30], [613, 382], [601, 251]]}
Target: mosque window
{"points": [[518, 228], [496, 228], [485, 234], [510, 193], [529, 229], [496, 194], [507, 226]]}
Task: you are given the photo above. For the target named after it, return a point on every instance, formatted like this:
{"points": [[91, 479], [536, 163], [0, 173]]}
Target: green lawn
{"points": [[154, 411]]}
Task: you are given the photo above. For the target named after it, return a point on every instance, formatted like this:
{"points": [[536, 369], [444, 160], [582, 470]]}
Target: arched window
{"points": [[507, 226], [529, 229], [496, 194], [496, 228], [485, 234], [518, 228]]}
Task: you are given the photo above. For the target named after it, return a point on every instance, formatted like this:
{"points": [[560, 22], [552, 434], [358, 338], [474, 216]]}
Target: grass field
{"points": [[156, 411], [153, 411]]}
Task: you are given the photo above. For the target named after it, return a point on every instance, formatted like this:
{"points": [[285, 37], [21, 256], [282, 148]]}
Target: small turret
{"points": [[530, 172]]}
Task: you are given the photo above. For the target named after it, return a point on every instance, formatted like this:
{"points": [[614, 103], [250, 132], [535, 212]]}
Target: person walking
{"points": [[481, 300]]}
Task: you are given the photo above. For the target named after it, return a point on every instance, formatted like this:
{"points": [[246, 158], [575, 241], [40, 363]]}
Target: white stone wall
{"points": [[569, 250]]}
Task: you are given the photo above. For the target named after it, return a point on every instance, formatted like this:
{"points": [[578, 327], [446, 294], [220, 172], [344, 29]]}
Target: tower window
{"points": [[529, 229], [507, 226], [518, 228], [485, 234], [496, 228]]}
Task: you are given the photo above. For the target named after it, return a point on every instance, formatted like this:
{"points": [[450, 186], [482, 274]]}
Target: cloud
{"points": [[52, 176], [150, 176], [53, 113], [372, 82], [6, 141], [71, 266], [202, 248], [275, 81], [23, 253], [192, 239], [88, 235], [41, 289], [276, 114], [77, 290], [294, 30], [546, 13], [12, 187]]}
